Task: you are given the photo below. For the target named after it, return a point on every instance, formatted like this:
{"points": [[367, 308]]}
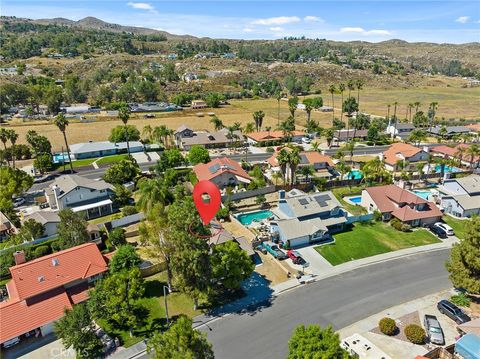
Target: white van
{"points": [[11, 342]]}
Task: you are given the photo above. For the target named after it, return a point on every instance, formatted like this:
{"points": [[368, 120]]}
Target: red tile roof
{"points": [[405, 149], [20, 317], [453, 151], [218, 166], [40, 275], [388, 197], [311, 156], [271, 135], [79, 293]]}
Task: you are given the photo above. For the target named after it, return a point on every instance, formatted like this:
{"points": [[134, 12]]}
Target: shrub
{"points": [[41, 251], [270, 150], [129, 210], [461, 300], [117, 237], [395, 223], [387, 326], [223, 213], [377, 216], [415, 333]]}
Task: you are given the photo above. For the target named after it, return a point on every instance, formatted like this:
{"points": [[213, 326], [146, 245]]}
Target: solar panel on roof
{"points": [[214, 168], [322, 200], [303, 201]]}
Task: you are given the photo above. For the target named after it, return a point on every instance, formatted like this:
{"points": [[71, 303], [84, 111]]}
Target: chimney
{"points": [[19, 257], [426, 149]]}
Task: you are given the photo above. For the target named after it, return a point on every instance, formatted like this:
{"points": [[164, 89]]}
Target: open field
{"points": [[454, 102], [365, 240]]}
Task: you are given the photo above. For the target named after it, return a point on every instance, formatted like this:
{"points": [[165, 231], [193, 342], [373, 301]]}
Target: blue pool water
{"points": [[60, 158], [356, 200], [447, 169], [355, 174], [423, 194], [248, 218]]}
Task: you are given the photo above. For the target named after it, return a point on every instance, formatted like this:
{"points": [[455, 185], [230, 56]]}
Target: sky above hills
{"points": [[431, 21]]}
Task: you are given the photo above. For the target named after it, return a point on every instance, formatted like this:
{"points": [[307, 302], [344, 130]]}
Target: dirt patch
{"points": [[271, 269], [402, 322]]}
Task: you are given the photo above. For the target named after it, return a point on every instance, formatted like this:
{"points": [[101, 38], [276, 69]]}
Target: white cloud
{"points": [[312, 19], [281, 20], [247, 29], [463, 19], [140, 5], [362, 31]]}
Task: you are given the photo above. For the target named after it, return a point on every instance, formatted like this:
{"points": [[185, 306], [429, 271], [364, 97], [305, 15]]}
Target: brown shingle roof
{"points": [[218, 166]]}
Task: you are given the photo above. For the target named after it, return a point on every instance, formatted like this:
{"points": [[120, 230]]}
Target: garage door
{"points": [[297, 242]]}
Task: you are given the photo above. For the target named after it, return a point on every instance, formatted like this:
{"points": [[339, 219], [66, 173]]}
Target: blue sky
{"points": [[433, 21]]}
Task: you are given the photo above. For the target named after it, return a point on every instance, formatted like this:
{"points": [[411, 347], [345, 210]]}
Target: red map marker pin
{"points": [[209, 209]]}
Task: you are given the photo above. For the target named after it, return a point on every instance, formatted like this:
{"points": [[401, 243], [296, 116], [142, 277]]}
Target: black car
{"points": [[438, 231], [452, 311]]}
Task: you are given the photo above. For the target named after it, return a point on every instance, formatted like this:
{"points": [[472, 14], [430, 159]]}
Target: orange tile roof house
{"points": [[321, 163], [453, 153], [393, 201], [402, 152], [222, 171], [41, 289], [266, 136]]}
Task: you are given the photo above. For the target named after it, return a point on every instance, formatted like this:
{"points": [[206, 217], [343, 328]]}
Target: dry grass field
{"points": [[454, 102]]}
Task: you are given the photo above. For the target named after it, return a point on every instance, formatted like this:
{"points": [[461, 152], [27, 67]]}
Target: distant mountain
{"points": [[93, 23]]}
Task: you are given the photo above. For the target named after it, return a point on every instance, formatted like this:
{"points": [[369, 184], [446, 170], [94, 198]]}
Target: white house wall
{"points": [[80, 194]]}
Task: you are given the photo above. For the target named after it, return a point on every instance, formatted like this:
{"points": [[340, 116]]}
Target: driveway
{"points": [[48, 347], [317, 264]]}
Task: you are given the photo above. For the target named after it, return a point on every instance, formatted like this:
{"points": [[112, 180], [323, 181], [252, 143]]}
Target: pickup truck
{"points": [[433, 329], [273, 249]]}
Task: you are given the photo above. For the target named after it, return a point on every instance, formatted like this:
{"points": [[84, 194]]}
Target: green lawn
{"points": [[459, 226], [111, 159], [107, 218], [365, 240], [346, 191], [154, 301]]}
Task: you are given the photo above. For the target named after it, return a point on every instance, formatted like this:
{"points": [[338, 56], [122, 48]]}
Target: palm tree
{"points": [[147, 131], [4, 138], [315, 146], [258, 118], [388, 113], [350, 147], [169, 136], [417, 105], [287, 127], [431, 111], [276, 176], [341, 89], [294, 160], [329, 134], [124, 116], [359, 85], [283, 159], [231, 135], [217, 123], [419, 166], [410, 107], [160, 134], [374, 169], [249, 128], [307, 171], [460, 153], [61, 122], [13, 137], [332, 90], [292, 106], [308, 109], [351, 86], [395, 117], [473, 151], [278, 97], [151, 192]]}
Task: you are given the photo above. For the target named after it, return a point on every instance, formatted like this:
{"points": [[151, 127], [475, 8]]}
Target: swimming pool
{"points": [[60, 157], [422, 194], [247, 218], [355, 200], [447, 169], [355, 174]]}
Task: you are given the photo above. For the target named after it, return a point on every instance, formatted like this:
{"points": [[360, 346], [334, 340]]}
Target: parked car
{"points": [[438, 231], [274, 250], [42, 178], [453, 312], [11, 342], [445, 227], [17, 202], [306, 140], [296, 258], [433, 329]]}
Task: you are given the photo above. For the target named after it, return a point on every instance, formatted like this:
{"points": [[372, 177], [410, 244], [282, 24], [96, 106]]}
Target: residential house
{"points": [[40, 290], [7, 228], [450, 131], [460, 197], [49, 220], [474, 128], [405, 153], [91, 197], [91, 149], [197, 104], [153, 107], [186, 138], [223, 172], [265, 137], [220, 236], [400, 130], [454, 153], [81, 108], [393, 201], [344, 135], [322, 164], [306, 218]]}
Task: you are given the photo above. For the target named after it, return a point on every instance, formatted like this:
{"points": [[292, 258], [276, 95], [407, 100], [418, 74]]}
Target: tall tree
{"points": [[72, 229], [76, 329], [308, 103], [13, 136], [294, 160], [180, 341], [217, 123], [125, 258], [283, 162], [292, 105], [258, 118], [61, 122], [359, 85], [198, 154], [249, 128], [332, 90], [473, 151], [341, 89], [4, 139], [351, 86], [464, 263], [278, 96], [124, 116], [315, 342]]}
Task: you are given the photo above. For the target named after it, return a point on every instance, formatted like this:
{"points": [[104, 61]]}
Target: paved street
{"points": [[340, 300]]}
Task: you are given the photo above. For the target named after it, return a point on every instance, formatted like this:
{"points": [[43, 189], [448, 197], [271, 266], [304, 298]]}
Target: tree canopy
{"points": [[72, 229], [119, 134], [125, 258], [198, 154], [122, 172]]}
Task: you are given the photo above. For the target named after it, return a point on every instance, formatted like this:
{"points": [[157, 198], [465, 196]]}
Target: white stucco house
{"points": [[460, 197], [223, 172]]}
